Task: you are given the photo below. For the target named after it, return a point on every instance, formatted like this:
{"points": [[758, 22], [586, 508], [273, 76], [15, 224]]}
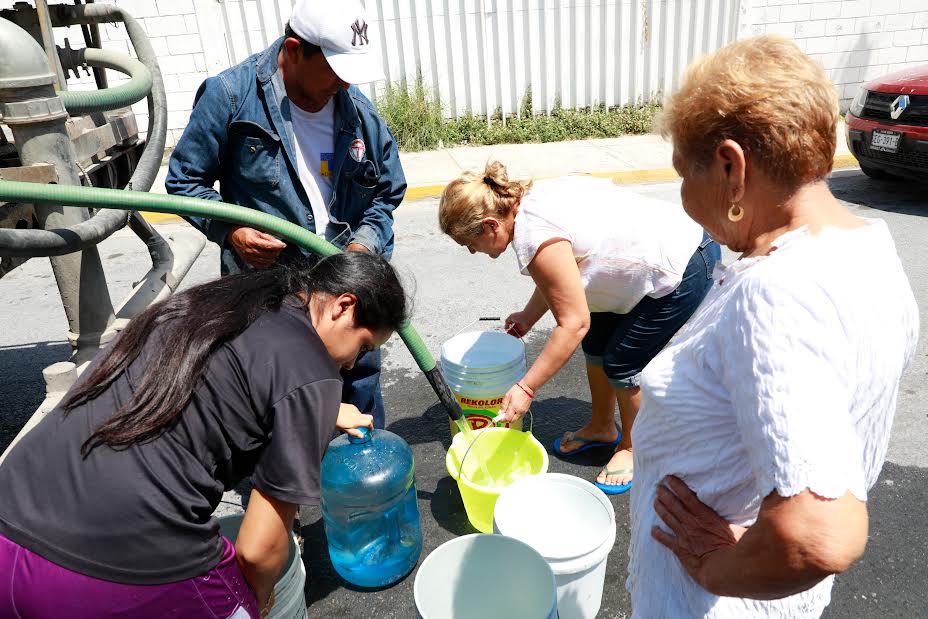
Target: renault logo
{"points": [[898, 106]]}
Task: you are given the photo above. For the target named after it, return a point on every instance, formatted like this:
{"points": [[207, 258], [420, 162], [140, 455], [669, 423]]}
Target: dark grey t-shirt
{"points": [[266, 407]]}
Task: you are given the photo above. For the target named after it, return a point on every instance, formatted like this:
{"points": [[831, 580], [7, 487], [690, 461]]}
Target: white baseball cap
{"points": [[340, 29]]}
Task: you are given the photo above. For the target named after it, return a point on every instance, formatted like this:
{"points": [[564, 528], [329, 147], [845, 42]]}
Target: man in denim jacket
{"points": [[256, 129]]}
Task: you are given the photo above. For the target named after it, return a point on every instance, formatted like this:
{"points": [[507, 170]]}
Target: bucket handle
{"points": [[476, 320], [531, 426], [487, 319], [490, 319]]}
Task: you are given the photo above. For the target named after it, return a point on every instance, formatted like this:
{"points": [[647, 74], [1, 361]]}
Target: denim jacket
{"points": [[240, 134]]}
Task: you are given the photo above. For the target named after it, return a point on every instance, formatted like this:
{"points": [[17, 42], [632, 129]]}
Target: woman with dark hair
{"points": [[107, 504]]}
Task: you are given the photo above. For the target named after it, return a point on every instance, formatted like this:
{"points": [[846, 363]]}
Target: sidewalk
{"points": [[626, 159]]}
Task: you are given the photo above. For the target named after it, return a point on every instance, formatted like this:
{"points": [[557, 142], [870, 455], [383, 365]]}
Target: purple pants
{"points": [[34, 588]]}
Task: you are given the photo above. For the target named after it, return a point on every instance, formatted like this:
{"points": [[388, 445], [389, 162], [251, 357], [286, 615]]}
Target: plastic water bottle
{"points": [[369, 508]]}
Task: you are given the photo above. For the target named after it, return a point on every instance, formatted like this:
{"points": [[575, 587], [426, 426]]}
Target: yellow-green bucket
{"points": [[508, 455]]}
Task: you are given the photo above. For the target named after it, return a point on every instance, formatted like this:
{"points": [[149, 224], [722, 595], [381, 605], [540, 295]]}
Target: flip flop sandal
{"points": [[615, 488], [585, 444]]}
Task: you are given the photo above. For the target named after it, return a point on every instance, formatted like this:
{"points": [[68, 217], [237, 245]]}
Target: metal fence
{"points": [[484, 56]]}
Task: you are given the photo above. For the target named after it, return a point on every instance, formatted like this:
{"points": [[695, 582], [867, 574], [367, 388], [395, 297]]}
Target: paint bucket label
{"points": [[480, 367], [480, 412]]}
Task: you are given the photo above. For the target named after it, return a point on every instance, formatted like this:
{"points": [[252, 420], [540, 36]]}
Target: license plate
{"points": [[886, 141]]}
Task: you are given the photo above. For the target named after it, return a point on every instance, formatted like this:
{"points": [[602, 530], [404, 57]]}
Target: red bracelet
{"points": [[528, 392]]}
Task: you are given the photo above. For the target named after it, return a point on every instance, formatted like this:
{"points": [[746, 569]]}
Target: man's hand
{"points": [[350, 419], [258, 249], [358, 248]]}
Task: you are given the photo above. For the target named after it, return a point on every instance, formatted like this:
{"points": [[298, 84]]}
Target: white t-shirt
{"points": [[627, 245], [314, 142], [785, 378]]}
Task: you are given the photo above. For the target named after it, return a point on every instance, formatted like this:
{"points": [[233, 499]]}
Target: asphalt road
{"points": [[452, 289]]}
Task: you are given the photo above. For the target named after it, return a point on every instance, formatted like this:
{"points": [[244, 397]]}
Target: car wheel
{"points": [[878, 174]]}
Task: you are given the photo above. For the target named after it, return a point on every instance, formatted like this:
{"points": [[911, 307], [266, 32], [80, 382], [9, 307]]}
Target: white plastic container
{"points": [[572, 525], [485, 577], [480, 367]]}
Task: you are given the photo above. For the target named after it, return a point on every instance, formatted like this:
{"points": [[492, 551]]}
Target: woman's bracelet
{"points": [[528, 392]]}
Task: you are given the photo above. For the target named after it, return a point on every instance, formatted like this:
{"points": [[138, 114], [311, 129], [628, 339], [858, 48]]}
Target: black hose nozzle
{"points": [[443, 391]]}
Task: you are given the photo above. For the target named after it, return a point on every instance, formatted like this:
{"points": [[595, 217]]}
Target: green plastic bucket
{"points": [[509, 455]]}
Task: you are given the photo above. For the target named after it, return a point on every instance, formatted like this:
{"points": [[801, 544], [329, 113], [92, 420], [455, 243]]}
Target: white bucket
{"points": [[290, 602], [572, 525], [480, 367], [485, 577]]}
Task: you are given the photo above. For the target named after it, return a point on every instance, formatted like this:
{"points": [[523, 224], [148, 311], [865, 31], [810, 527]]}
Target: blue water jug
{"points": [[369, 508]]}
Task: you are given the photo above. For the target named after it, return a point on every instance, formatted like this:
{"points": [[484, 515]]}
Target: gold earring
{"points": [[735, 213]]}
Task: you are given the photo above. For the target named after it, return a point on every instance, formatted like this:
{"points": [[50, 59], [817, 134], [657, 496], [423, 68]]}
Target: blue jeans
{"points": [[623, 344], [362, 386]]}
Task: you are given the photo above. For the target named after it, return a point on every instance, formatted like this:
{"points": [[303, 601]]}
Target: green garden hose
{"points": [[93, 197]]}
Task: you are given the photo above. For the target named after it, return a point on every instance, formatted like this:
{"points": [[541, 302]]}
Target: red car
{"points": [[887, 126]]}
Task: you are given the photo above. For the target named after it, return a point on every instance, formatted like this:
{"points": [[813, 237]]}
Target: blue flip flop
{"points": [[584, 442], [615, 488]]}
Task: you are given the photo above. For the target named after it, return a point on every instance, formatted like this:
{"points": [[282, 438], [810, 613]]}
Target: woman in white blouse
{"points": [[620, 272], [766, 422]]}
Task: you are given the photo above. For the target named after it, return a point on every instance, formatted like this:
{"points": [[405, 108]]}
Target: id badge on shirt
{"points": [[326, 161]]}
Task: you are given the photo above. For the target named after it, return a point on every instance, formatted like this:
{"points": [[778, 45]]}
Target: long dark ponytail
{"points": [[199, 320]]}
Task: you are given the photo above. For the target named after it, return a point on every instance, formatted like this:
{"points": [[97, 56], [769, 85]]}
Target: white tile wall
{"points": [[855, 40], [917, 53], [795, 12]]}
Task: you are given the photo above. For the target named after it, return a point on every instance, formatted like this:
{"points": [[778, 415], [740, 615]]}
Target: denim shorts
{"points": [[623, 344]]}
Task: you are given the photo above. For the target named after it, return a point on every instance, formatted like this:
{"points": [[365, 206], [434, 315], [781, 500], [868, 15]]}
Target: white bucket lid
{"points": [[560, 516], [482, 349]]}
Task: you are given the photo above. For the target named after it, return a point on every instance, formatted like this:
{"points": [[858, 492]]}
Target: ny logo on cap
{"points": [[359, 36]]}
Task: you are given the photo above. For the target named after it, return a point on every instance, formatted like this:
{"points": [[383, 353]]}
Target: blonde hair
{"points": [[768, 96], [472, 196]]}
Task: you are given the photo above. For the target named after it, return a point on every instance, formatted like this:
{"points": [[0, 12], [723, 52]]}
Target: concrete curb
{"points": [[623, 177]]}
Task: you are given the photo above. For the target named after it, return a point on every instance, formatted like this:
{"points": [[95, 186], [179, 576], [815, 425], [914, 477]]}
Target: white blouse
{"points": [[627, 246], [785, 378]]}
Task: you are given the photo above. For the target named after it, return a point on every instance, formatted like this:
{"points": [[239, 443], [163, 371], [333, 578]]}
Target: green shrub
{"points": [[417, 122]]}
